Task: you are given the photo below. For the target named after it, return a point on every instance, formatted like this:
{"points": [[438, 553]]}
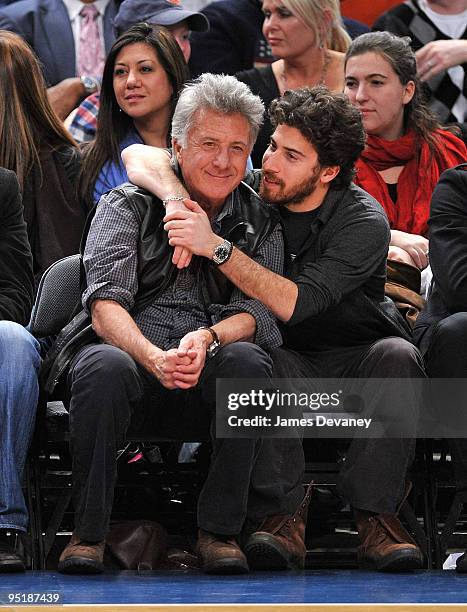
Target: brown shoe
{"points": [[279, 543], [385, 544], [220, 554], [80, 557]]}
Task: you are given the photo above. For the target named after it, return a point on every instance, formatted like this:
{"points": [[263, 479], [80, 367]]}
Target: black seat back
{"points": [[58, 294]]}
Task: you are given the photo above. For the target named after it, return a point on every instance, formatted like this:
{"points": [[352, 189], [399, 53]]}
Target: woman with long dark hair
{"points": [[143, 75], [407, 148], [37, 147]]}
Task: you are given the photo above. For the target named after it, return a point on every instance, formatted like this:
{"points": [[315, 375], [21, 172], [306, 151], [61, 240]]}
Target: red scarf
{"points": [[416, 181]]}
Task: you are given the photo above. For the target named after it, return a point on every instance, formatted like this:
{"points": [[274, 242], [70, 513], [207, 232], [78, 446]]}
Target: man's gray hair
{"points": [[220, 93]]}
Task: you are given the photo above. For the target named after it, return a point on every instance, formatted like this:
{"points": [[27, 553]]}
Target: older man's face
{"points": [[214, 159]]}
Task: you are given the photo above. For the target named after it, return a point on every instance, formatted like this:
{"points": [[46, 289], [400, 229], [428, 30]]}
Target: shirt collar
{"points": [[74, 7], [328, 206], [226, 210], [326, 209]]}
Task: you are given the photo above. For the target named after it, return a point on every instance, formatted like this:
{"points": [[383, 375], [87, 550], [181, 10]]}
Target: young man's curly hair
{"points": [[329, 122]]}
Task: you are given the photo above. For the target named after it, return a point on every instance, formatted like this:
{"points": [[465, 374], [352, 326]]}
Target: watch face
{"points": [[222, 252], [89, 84]]}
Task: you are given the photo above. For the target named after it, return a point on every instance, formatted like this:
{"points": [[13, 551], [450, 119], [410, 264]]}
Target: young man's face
{"points": [[291, 171], [214, 159]]}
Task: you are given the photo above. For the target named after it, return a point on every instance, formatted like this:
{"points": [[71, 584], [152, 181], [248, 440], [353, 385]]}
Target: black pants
{"points": [[248, 479], [446, 357], [373, 475]]}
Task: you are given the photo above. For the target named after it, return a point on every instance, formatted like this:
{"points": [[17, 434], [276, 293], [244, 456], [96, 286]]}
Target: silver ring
{"points": [[429, 64]]}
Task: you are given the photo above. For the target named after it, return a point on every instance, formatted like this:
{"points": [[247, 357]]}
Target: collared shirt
{"points": [[340, 272], [84, 125], [74, 7], [110, 260]]}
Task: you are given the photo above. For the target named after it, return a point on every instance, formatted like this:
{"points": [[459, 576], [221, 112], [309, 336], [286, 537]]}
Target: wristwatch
{"points": [[90, 84], [222, 252], [215, 344]]}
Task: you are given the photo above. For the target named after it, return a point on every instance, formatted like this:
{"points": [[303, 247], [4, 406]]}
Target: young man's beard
{"points": [[295, 194]]}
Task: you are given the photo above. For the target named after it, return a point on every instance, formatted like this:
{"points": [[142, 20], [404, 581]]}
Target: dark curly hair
{"points": [[329, 122]]}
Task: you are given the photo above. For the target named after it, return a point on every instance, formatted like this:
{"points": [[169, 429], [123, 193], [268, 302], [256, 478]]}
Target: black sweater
{"points": [[16, 277]]}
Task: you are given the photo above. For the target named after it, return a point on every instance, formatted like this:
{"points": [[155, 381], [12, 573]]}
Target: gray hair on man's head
{"points": [[220, 93]]}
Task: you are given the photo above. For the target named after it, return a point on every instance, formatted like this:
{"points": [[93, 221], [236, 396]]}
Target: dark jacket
{"points": [[45, 26], [231, 43], [340, 272], [448, 253], [252, 224], [52, 210], [16, 277]]}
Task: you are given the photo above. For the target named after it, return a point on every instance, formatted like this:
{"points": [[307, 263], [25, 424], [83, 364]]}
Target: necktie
{"points": [[91, 55]]}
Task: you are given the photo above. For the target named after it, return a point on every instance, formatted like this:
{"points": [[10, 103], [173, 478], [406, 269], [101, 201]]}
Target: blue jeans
{"points": [[19, 391]]}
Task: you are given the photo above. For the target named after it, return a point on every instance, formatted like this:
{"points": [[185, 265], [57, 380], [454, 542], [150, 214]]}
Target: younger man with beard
{"points": [[335, 319]]}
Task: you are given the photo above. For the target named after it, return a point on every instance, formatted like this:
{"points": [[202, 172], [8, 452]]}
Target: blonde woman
{"points": [[309, 40]]}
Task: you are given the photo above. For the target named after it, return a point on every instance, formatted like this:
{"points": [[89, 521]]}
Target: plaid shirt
{"points": [[110, 260], [84, 124]]}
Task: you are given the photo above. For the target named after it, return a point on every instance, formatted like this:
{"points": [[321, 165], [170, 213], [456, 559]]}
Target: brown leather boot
{"points": [[279, 542], [80, 557], [220, 554], [385, 544]]}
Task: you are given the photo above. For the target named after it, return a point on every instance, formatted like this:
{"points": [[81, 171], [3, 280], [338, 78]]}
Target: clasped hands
{"points": [[180, 368]]}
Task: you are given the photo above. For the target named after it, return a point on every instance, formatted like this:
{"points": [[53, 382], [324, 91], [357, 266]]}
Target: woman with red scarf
{"points": [[407, 149]]}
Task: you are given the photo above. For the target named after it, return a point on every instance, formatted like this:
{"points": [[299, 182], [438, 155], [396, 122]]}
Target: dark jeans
{"points": [[248, 479], [446, 357], [373, 475]]}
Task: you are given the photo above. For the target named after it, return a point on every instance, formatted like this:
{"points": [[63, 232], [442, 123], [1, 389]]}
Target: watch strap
{"points": [[215, 337]]}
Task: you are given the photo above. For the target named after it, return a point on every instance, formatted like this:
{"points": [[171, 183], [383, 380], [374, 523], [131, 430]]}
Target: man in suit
{"points": [[19, 362], [53, 28]]}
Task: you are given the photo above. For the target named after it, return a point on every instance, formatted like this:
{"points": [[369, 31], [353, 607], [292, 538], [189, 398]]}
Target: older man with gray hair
{"points": [[163, 335]]}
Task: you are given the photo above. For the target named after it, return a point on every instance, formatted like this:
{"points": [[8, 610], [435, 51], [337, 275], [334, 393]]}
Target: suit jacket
{"points": [[45, 25], [448, 253], [230, 44], [16, 277]]}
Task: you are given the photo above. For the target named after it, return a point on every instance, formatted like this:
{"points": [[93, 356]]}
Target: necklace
{"points": [[326, 58]]}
